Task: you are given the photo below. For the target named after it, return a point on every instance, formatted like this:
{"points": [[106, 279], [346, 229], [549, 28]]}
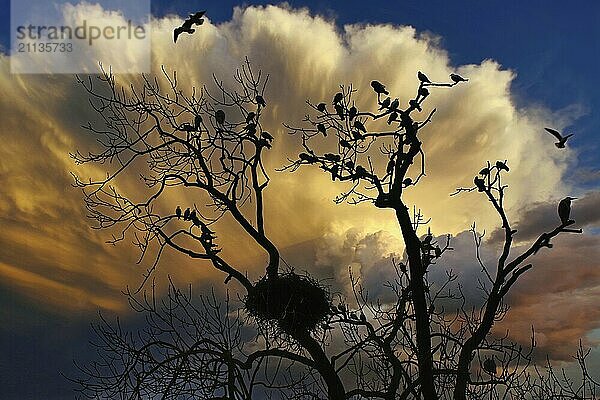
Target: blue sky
{"points": [[554, 47]]}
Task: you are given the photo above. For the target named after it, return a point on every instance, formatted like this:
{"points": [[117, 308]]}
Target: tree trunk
{"points": [[417, 285], [335, 387]]}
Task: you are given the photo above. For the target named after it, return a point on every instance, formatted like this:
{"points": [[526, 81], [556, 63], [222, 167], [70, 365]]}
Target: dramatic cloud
{"points": [[47, 247]]}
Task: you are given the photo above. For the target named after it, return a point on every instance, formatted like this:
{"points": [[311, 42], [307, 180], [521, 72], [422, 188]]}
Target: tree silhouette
{"points": [[290, 338]]}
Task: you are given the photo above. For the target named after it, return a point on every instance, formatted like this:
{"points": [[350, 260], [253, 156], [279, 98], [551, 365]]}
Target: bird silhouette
{"points": [[250, 117], [424, 92], [489, 366], [385, 103], [480, 183], [260, 101], [357, 135], [352, 113], [186, 214], [422, 77], [359, 125], [339, 109], [186, 127], [220, 117], [308, 158], [415, 104], [390, 166], [502, 166], [485, 171], [561, 139], [395, 104], [192, 216], [407, 182], [564, 209], [393, 116], [457, 78], [379, 88], [197, 122], [266, 135], [337, 98], [345, 143], [332, 157], [251, 128], [178, 212], [186, 27], [363, 318], [349, 165], [334, 172], [321, 107], [321, 128]]}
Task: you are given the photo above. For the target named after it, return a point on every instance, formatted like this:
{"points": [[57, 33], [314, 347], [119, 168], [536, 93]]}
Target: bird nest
{"points": [[293, 303]]}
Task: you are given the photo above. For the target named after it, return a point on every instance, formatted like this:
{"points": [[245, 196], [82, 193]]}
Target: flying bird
{"points": [[178, 212], [220, 117], [422, 77], [561, 139], [564, 209], [489, 366], [260, 101], [379, 88], [457, 78], [193, 19]]}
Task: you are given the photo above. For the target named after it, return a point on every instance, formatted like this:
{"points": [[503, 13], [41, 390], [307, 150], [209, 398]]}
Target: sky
{"points": [[530, 65]]}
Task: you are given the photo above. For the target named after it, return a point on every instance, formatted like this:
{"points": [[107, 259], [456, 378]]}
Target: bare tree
{"points": [[295, 340]]}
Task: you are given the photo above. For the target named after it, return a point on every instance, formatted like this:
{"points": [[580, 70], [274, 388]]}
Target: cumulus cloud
{"points": [[46, 239]]}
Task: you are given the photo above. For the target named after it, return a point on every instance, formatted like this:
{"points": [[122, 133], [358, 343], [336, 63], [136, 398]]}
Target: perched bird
{"points": [[457, 78], [353, 315], [480, 183], [220, 117], [332, 157], [393, 116], [321, 107], [422, 77], [395, 104], [564, 209], [378, 87], [361, 172], [334, 172], [178, 212], [193, 19], [266, 135], [342, 308], [385, 103], [186, 214], [424, 92], [407, 182], [251, 128], [326, 327], [415, 104], [349, 165], [250, 117], [357, 135], [197, 122], [308, 158], [352, 113], [321, 129], [362, 317], [489, 366], [359, 125], [260, 101], [186, 127], [339, 109], [561, 139], [345, 143], [193, 216], [485, 171], [390, 166], [502, 166], [337, 98]]}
